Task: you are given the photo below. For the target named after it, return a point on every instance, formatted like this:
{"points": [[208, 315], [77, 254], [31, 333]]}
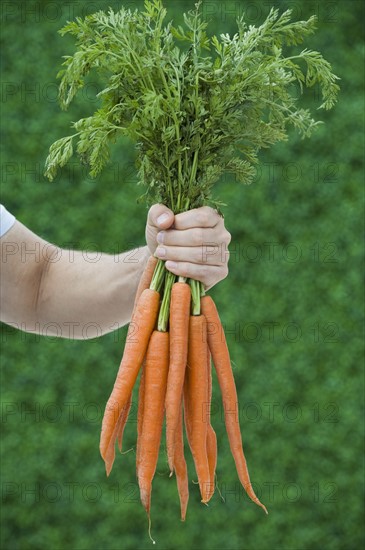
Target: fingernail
{"points": [[161, 251], [161, 219], [161, 237], [171, 265]]}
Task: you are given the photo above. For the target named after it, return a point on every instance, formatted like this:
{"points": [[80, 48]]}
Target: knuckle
{"points": [[227, 237], [204, 254], [198, 236], [204, 217]]}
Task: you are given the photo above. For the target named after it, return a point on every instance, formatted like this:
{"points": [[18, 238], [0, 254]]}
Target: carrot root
{"points": [[180, 467], [220, 354], [143, 322], [156, 368], [179, 330], [195, 401]]}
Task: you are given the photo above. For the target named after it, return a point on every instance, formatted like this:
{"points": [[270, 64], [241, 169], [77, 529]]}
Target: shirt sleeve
{"points": [[7, 220]]}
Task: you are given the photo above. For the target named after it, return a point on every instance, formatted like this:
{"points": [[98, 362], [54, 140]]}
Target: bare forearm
{"points": [[90, 298], [66, 293]]}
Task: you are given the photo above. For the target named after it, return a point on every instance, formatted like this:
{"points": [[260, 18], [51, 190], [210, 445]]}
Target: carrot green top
{"points": [[195, 105]]}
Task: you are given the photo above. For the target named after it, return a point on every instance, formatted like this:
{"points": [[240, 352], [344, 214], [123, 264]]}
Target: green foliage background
{"points": [[291, 307]]}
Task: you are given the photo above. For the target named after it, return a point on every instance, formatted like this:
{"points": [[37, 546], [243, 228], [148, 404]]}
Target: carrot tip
{"points": [[149, 529], [145, 499], [171, 465], [261, 505]]}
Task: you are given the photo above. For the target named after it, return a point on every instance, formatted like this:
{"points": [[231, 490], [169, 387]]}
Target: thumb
{"points": [[159, 217]]}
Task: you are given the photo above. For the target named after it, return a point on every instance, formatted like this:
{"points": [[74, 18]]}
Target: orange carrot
{"points": [[195, 401], [179, 329], [144, 283], [156, 368], [141, 397], [180, 467], [220, 354], [212, 449], [143, 320], [145, 279], [122, 420], [117, 433]]}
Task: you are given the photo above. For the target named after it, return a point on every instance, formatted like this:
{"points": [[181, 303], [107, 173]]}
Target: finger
{"points": [[211, 254], [208, 275], [196, 236], [197, 217], [160, 216]]}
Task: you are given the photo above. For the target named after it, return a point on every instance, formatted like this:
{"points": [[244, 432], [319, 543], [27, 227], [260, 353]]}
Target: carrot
{"points": [[220, 354], [156, 368], [144, 319], [195, 401], [179, 329], [145, 279], [212, 449], [117, 433], [141, 397], [144, 283], [122, 420], [180, 466]]}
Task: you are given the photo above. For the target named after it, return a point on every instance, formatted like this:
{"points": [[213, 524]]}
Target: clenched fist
{"points": [[193, 243]]}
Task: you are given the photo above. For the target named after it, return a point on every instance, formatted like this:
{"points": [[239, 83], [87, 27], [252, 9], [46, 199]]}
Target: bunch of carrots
{"points": [[196, 106], [176, 382]]}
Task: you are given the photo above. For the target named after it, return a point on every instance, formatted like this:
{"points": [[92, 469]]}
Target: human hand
{"points": [[193, 243]]}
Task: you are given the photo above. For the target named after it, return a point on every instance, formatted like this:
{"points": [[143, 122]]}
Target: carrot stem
{"points": [[164, 314], [195, 297], [158, 276]]}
